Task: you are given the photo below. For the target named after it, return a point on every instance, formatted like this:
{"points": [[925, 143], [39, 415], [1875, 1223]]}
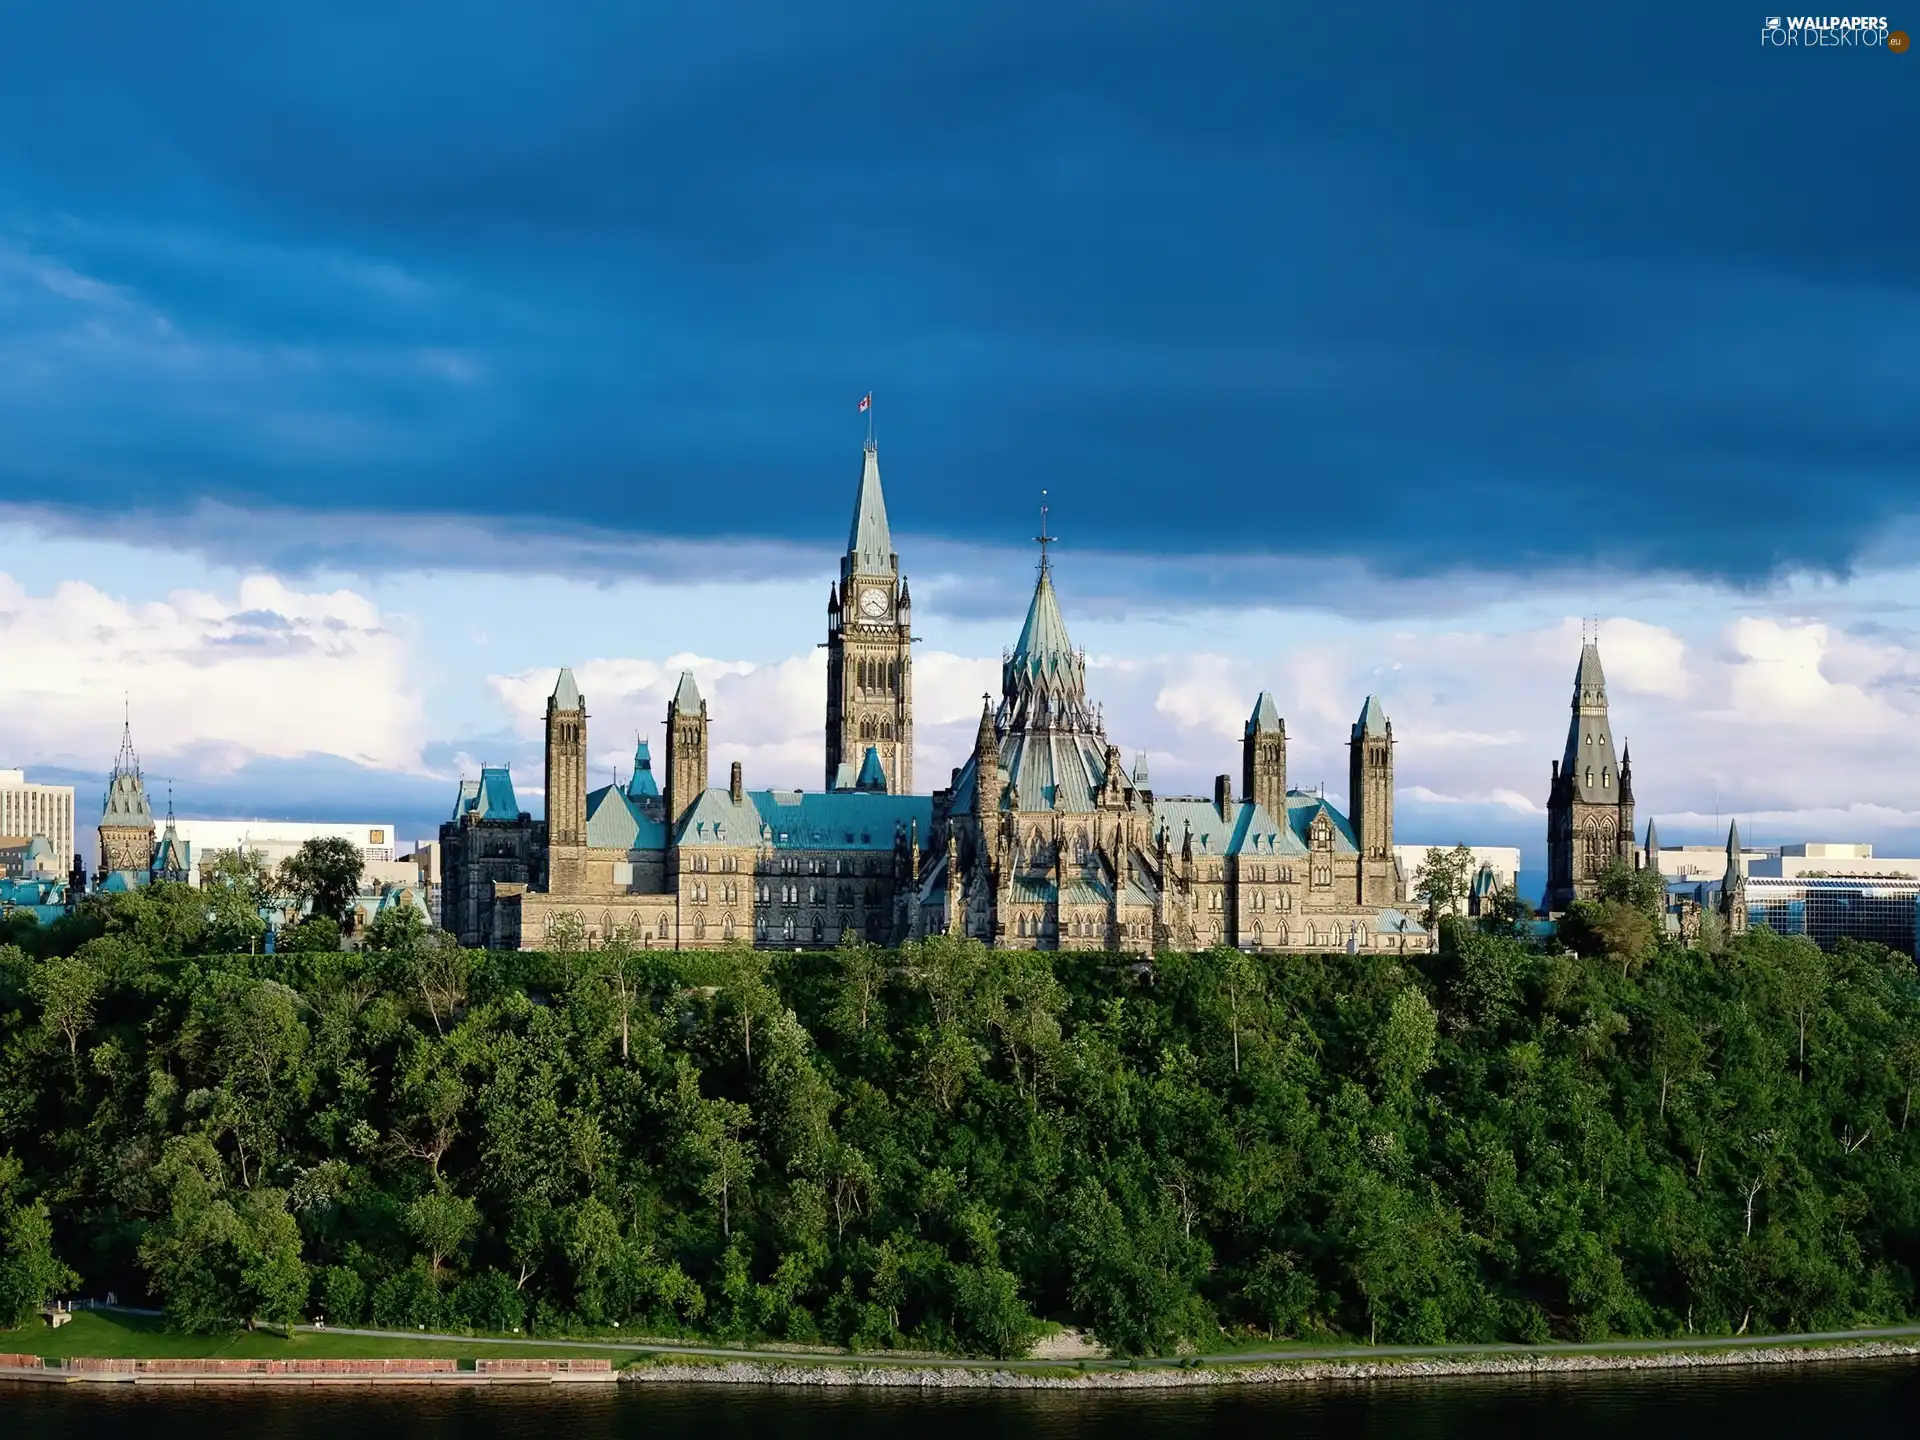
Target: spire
{"points": [[566, 694], [1589, 681], [1653, 842], [1373, 721], [1588, 764], [869, 542], [1265, 719], [1733, 842], [687, 696], [127, 762], [985, 740]]}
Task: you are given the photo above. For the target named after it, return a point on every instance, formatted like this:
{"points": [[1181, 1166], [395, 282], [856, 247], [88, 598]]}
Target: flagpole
{"points": [[869, 418]]}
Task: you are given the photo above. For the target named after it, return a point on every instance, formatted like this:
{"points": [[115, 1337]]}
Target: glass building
{"points": [[1829, 909]]}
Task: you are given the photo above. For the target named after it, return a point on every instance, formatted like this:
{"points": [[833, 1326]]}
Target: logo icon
{"points": [[1898, 42], [1773, 22]]}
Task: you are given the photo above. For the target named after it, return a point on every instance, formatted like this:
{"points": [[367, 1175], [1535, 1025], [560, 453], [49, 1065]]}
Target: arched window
{"points": [[1589, 777], [1606, 777], [663, 927], [886, 730], [760, 928], [787, 930], [726, 928]]}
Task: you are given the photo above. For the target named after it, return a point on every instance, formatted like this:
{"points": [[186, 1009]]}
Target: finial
{"points": [[1043, 537]]}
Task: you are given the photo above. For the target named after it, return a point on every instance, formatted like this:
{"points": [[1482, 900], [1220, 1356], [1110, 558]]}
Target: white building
{"points": [[27, 810], [1811, 860], [275, 840]]}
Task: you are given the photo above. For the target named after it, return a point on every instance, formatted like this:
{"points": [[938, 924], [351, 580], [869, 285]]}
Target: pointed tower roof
{"points": [[687, 696], [1733, 839], [873, 775], [870, 542], [1653, 838], [1265, 719], [1589, 681], [641, 785], [566, 694], [1043, 639], [1372, 721], [985, 737]]}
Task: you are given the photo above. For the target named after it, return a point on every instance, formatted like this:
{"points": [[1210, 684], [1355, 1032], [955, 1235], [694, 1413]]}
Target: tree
{"points": [[317, 934], [440, 1223], [235, 886], [66, 989], [30, 1273], [1442, 882], [1403, 1050], [324, 874], [1623, 931], [396, 928]]}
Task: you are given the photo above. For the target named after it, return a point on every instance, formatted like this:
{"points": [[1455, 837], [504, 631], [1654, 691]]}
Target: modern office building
{"points": [[275, 840], [27, 810]]}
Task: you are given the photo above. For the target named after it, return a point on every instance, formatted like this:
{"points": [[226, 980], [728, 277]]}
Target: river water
{"points": [[1863, 1401]]}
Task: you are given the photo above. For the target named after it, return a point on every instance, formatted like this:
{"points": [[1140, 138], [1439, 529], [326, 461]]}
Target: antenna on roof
{"points": [[1043, 537]]}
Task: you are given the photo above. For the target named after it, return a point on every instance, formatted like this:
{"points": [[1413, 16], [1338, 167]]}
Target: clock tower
{"points": [[870, 649]]}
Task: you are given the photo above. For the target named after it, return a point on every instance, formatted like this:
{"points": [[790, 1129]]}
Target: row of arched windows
{"points": [[877, 676]]}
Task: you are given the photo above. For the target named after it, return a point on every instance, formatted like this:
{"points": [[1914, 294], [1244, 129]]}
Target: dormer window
{"points": [[1589, 777], [1606, 778]]}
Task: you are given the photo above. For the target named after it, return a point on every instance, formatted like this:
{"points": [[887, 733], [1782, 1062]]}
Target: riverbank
{"points": [[1285, 1373], [827, 1373]]}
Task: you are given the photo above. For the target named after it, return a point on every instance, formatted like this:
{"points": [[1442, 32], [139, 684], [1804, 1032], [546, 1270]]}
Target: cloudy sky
{"points": [[361, 364]]}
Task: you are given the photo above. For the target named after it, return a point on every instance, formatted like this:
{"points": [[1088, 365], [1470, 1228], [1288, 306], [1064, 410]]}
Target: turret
{"points": [[687, 739], [1263, 758]]}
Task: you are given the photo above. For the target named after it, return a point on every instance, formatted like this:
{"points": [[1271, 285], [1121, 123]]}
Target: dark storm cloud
{"points": [[1398, 288]]}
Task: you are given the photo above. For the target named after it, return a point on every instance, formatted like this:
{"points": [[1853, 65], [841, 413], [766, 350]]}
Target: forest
{"points": [[945, 1147]]}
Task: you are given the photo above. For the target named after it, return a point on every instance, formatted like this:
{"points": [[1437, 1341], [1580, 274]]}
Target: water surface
{"points": [[1856, 1400]]}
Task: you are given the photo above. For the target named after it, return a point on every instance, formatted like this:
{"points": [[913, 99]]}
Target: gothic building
{"points": [[132, 852], [1044, 839], [1590, 799]]}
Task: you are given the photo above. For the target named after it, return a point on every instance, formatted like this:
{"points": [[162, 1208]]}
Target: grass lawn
{"points": [[143, 1337]]}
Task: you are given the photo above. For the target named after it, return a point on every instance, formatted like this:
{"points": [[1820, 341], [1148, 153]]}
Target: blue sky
{"points": [[360, 364]]}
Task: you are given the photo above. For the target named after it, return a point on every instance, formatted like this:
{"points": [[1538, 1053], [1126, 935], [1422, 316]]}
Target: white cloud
{"points": [[212, 680]]}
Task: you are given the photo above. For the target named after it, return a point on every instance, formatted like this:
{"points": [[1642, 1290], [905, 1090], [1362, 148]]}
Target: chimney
{"points": [[1223, 796], [733, 784]]}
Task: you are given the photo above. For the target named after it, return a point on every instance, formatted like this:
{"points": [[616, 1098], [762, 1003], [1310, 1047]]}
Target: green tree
{"points": [[324, 875], [1442, 882], [30, 1272], [66, 990]]}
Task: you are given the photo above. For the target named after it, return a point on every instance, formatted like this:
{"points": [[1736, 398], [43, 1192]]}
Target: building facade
{"points": [[27, 810], [1590, 799], [1044, 839]]}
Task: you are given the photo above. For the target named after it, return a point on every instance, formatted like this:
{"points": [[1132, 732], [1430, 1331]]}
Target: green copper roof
{"points": [[642, 785], [1043, 641], [1372, 721], [617, 821], [869, 542], [1265, 719], [488, 798], [687, 697], [873, 775], [566, 694]]}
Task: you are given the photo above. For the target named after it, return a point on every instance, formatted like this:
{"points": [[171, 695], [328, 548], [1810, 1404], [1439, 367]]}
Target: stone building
{"points": [[126, 831], [1590, 800], [1043, 840]]}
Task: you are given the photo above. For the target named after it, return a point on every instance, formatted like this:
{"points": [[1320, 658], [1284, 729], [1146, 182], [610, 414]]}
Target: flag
{"points": [[866, 402]]}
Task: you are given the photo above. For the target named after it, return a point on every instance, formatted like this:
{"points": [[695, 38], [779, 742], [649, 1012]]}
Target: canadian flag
{"points": [[866, 402]]}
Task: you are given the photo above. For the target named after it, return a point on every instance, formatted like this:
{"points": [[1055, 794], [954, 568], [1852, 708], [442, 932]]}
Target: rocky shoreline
{"points": [[1296, 1373]]}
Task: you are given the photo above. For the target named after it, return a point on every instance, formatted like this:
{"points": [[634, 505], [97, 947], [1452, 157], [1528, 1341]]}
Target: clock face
{"points": [[873, 603]]}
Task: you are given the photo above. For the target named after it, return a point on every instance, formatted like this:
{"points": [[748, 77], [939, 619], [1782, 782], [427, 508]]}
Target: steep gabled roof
{"points": [[566, 694], [1265, 719], [1372, 721]]}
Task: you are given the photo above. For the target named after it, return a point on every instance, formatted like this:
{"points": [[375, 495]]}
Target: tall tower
{"points": [[566, 786], [1733, 884], [1263, 758], [1590, 803], [870, 648], [1370, 792], [686, 750], [126, 815]]}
